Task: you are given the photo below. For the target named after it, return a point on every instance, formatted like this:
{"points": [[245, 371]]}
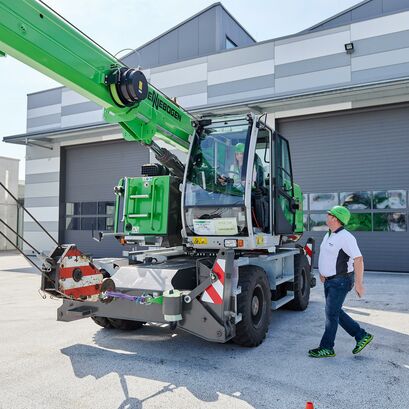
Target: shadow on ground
{"points": [[176, 359]]}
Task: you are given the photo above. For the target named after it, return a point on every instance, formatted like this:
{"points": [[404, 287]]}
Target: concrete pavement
{"points": [[50, 364]]}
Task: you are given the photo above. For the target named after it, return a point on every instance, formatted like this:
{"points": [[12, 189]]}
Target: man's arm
{"points": [[359, 276]]}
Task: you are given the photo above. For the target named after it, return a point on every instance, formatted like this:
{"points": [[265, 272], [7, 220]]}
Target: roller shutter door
{"points": [[363, 151], [91, 172]]}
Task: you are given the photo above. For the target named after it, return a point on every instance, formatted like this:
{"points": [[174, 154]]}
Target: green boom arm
{"points": [[34, 34]]}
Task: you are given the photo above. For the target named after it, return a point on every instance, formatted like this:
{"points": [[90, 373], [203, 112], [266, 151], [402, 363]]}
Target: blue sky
{"points": [[134, 23]]}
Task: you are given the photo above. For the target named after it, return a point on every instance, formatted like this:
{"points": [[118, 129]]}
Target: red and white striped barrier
{"points": [[214, 293]]}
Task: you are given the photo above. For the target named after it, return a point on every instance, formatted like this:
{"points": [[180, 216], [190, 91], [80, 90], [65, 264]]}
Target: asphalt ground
{"points": [[50, 364]]}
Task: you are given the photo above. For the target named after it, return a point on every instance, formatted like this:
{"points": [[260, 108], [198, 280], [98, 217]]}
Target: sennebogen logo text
{"points": [[157, 103]]}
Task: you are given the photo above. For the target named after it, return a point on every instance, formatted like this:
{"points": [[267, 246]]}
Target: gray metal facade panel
{"points": [[369, 10], [207, 32], [393, 6], [313, 64], [379, 44], [44, 98], [380, 73], [360, 151], [91, 172], [187, 89], [108, 247], [146, 57], [53, 119], [42, 178], [188, 40], [41, 201], [79, 108], [232, 30], [234, 87], [361, 12], [168, 48]]}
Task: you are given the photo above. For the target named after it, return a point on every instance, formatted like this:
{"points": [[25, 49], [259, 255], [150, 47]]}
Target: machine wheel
{"points": [[254, 303], [302, 284], [102, 322], [126, 325]]}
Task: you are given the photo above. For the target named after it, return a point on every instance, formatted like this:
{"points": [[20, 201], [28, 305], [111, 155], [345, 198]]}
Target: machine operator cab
{"points": [[238, 187]]}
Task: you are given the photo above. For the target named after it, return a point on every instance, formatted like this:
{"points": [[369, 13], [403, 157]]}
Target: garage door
{"points": [[359, 159], [91, 172]]}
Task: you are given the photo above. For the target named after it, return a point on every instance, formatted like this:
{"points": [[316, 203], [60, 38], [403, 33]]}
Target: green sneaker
{"points": [[360, 345], [321, 353]]}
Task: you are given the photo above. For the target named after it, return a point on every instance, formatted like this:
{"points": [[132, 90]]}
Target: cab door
{"points": [[284, 204]]}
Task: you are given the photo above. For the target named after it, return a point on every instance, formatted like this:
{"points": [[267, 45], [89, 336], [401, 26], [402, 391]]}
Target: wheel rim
{"points": [[257, 305]]}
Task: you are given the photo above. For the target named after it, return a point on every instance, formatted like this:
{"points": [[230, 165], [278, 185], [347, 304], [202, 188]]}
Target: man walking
{"points": [[339, 259]]}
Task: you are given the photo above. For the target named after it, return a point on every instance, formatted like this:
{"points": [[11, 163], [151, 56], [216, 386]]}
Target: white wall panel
{"points": [[313, 79], [41, 111], [311, 48], [380, 26], [43, 214], [42, 165], [190, 101], [70, 97], [241, 72], [313, 110], [180, 76], [82, 119]]}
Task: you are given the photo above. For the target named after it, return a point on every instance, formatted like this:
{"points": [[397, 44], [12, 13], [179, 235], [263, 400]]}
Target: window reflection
{"points": [[390, 222], [356, 200], [323, 201], [72, 223], [389, 199], [305, 202], [318, 222], [305, 222], [360, 222]]}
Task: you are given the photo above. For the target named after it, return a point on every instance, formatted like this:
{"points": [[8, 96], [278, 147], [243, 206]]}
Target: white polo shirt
{"points": [[337, 252]]}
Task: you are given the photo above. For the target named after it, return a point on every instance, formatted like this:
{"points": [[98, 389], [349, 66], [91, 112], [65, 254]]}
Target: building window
{"points": [[323, 201], [230, 44], [371, 211], [389, 199], [88, 216], [356, 200]]}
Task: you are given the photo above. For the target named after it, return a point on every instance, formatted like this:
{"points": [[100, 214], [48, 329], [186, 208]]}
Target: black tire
{"points": [[302, 284], [125, 325], [254, 303], [102, 322]]}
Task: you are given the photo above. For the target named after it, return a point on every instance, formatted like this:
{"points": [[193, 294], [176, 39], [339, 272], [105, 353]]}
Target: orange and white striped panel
{"points": [[308, 252], [90, 282], [214, 293]]}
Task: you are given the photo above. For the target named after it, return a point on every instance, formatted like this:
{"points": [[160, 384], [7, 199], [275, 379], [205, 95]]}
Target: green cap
{"points": [[239, 148], [341, 213]]}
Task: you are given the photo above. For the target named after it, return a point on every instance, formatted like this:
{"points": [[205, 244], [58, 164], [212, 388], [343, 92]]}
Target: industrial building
{"points": [[9, 211], [338, 91]]}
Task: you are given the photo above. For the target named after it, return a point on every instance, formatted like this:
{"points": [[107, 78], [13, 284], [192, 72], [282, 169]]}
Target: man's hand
{"points": [[322, 278], [359, 289]]}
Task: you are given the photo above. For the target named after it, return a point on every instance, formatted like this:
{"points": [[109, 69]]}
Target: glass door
{"points": [[285, 205]]}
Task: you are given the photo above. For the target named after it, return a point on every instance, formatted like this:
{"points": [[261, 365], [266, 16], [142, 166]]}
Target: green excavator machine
{"points": [[221, 227]]}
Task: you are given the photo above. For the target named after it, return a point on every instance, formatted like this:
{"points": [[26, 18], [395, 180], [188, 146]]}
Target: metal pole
{"points": [[35, 220], [20, 237]]}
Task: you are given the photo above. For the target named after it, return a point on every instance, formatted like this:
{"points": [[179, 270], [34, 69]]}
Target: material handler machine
{"points": [[221, 228]]}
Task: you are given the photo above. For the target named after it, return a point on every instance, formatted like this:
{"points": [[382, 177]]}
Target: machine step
{"points": [[275, 305]]}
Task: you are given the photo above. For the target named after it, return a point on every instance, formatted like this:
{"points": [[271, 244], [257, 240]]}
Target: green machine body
{"points": [[147, 210]]}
